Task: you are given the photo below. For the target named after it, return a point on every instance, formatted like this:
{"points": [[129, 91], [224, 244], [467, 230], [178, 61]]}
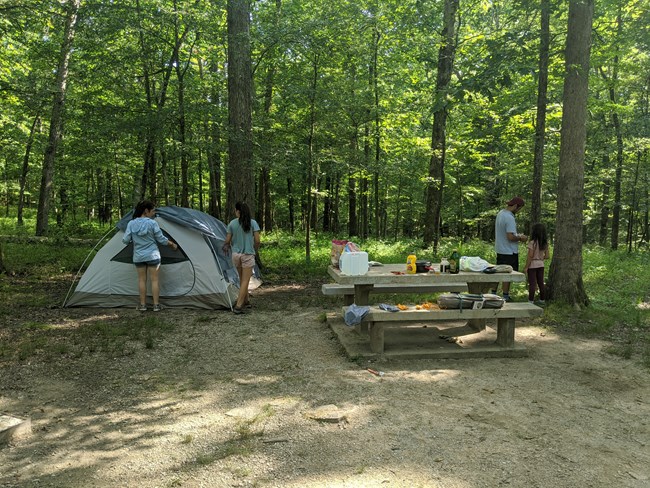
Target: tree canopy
{"points": [[343, 105]]}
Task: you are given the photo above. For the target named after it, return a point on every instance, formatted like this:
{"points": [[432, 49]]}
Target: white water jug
{"points": [[354, 263]]}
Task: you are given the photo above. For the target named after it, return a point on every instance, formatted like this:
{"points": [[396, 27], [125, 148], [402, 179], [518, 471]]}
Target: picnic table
{"points": [[475, 320], [394, 274]]}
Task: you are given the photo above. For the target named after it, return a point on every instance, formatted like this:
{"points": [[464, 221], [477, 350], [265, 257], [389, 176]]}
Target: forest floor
{"points": [[269, 399]]}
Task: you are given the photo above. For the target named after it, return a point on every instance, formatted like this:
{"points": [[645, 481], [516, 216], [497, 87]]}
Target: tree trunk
{"points": [[374, 77], [291, 201], [436, 180], [56, 120], [565, 274], [25, 168], [264, 210], [604, 209], [310, 157], [185, 186], [240, 175], [633, 205], [540, 125], [156, 104]]}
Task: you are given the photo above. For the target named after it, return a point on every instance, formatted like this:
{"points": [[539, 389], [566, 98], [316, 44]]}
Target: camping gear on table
{"points": [[338, 247], [354, 263], [499, 268], [197, 275], [411, 267], [469, 300], [422, 266], [454, 262], [473, 263]]}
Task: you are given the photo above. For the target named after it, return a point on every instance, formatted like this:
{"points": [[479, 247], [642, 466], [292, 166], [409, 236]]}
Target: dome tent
{"points": [[198, 275]]}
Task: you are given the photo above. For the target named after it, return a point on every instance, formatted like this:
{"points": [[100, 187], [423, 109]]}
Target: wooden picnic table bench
{"points": [[377, 319], [347, 291]]}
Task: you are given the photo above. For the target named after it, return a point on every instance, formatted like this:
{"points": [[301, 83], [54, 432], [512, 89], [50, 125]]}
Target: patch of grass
{"points": [[37, 326], [203, 319], [115, 336], [30, 346]]}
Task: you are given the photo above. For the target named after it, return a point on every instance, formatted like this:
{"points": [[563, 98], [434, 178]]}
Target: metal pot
{"points": [[422, 266]]}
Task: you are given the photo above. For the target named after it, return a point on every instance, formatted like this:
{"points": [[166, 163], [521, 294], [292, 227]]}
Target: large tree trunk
{"points": [[56, 121], [240, 175], [540, 126], [565, 275], [436, 180]]}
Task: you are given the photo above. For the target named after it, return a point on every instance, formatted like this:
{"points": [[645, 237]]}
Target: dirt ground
{"points": [[269, 399]]}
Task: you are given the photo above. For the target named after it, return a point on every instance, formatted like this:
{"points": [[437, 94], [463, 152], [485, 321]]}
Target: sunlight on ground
{"points": [[425, 376], [257, 380], [368, 477]]}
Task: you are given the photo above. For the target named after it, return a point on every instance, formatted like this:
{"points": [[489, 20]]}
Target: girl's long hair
{"points": [[244, 215], [141, 207], [538, 234]]}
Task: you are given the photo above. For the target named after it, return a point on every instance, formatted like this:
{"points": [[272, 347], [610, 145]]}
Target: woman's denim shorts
{"points": [[154, 263]]}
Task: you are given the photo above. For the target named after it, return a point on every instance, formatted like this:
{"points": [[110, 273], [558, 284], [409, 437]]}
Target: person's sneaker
{"points": [[506, 298], [141, 308], [542, 302], [237, 310], [531, 302], [157, 308]]}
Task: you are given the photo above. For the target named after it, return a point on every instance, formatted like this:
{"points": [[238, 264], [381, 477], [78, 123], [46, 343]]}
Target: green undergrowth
{"points": [[39, 274]]}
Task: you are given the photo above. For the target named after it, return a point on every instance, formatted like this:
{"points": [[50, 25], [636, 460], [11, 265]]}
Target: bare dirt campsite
{"points": [[269, 399]]}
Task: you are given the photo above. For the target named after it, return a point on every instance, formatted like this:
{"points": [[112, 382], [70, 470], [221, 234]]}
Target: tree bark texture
{"points": [[540, 119], [436, 180], [565, 274], [616, 215], [25, 168], [240, 176], [56, 120]]}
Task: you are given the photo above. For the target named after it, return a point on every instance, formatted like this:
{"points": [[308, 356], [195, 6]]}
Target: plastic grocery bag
{"points": [[473, 263]]}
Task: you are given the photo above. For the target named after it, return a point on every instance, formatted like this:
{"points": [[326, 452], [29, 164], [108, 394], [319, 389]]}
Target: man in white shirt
{"points": [[507, 240]]}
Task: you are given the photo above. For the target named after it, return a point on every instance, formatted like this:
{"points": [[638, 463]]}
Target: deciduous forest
{"points": [[363, 118]]}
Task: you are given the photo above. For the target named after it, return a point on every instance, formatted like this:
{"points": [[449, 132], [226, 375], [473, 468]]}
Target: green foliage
{"points": [[619, 308], [46, 258]]}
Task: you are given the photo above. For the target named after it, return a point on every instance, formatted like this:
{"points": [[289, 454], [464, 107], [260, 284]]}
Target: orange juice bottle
{"points": [[410, 264]]}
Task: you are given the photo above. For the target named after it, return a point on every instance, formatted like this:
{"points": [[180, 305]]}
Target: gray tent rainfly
{"points": [[198, 275]]}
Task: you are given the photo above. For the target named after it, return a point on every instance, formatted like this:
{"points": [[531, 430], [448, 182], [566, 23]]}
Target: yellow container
{"points": [[411, 267]]}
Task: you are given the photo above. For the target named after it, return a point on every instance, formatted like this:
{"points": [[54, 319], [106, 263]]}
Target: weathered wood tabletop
{"points": [[386, 274]]}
